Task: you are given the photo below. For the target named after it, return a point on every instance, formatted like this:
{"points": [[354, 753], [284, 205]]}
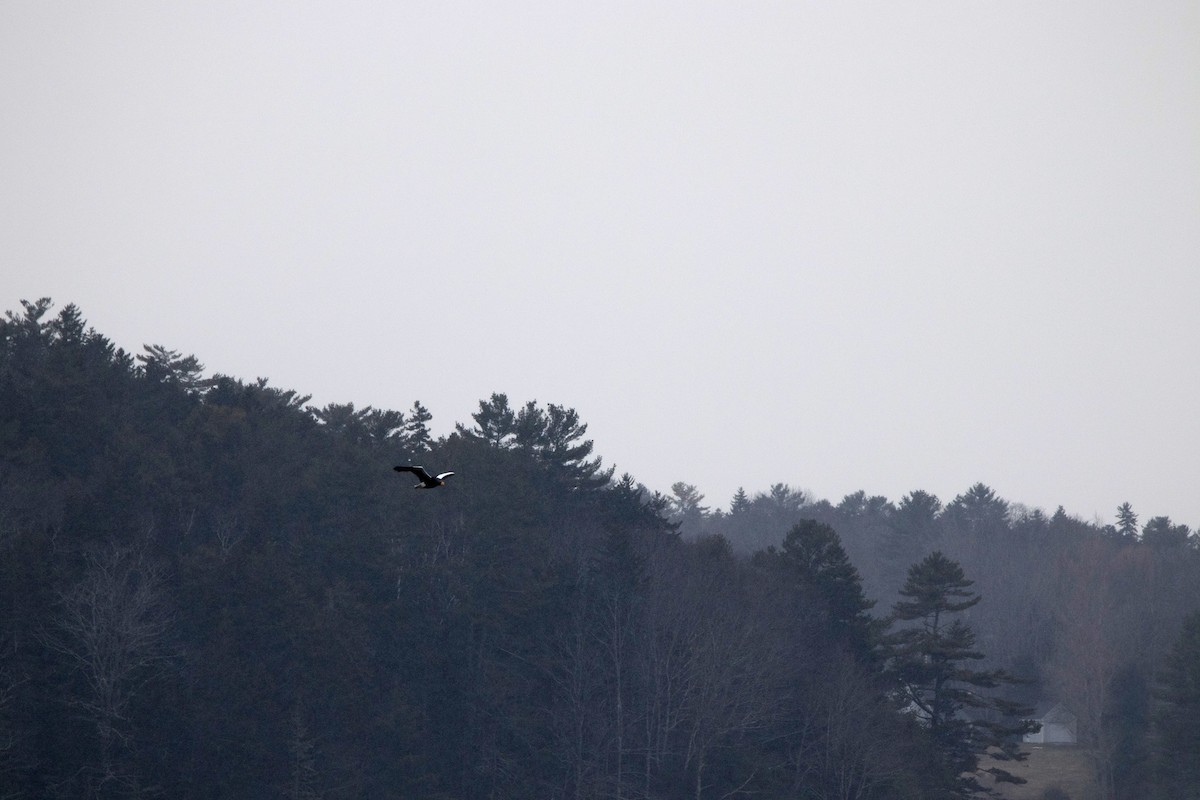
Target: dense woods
{"points": [[212, 589]]}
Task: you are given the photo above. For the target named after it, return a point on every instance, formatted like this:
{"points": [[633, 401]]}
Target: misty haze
{"points": [[574, 401]]}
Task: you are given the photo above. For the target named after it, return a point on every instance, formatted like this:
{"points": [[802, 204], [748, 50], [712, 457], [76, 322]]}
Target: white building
{"points": [[1058, 726]]}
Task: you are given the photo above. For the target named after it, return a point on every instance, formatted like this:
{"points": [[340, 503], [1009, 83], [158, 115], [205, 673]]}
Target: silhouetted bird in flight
{"points": [[427, 481]]}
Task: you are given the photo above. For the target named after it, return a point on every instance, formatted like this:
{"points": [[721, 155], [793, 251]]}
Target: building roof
{"points": [[1053, 712]]}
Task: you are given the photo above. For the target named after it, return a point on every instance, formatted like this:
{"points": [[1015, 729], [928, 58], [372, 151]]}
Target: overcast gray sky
{"points": [[883, 246]]}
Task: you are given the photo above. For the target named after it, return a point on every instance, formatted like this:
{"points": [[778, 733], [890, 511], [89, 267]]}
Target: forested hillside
{"points": [[212, 589]]}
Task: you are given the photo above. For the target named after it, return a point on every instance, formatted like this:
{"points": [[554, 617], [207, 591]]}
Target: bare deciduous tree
{"points": [[733, 663], [113, 628], [1089, 653]]}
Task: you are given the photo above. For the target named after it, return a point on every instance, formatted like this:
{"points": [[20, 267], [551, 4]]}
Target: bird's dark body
{"points": [[427, 481]]}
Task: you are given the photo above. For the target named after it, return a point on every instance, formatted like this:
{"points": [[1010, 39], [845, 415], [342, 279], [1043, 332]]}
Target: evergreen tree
{"points": [[169, 366], [1161, 532], [979, 511], [687, 509], [784, 500], [495, 421], [740, 503], [529, 428], [913, 532], [1127, 523], [929, 658], [565, 450], [416, 429], [915, 520], [1177, 718], [813, 555], [367, 427], [1127, 722], [553, 435]]}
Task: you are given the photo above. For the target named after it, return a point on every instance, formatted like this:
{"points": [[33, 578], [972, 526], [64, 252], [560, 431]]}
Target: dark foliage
{"points": [[211, 589], [1177, 717]]}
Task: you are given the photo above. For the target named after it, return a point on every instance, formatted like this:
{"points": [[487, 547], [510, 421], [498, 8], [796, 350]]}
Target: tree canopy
{"points": [[214, 589]]}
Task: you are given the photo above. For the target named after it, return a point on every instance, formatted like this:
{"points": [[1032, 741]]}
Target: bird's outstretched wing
{"points": [[444, 475], [418, 471]]}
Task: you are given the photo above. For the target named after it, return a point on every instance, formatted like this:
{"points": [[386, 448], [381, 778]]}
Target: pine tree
{"points": [[1177, 717], [1161, 532], [169, 366], [929, 662], [813, 553], [1127, 523], [913, 532], [979, 510], [565, 450], [687, 508], [416, 429], [494, 421], [740, 503]]}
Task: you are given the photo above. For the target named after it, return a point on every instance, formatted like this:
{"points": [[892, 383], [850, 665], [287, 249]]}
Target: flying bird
{"points": [[427, 481]]}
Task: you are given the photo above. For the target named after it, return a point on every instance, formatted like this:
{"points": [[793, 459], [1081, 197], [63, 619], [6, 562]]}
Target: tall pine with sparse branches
{"points": [[929, 653]]}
